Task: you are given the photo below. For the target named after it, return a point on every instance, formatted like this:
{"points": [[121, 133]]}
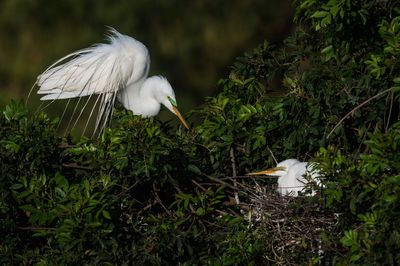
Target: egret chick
{"points": [[114, 70], [291, 179]]}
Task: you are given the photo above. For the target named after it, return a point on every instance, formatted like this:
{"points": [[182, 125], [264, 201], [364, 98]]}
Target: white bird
{"points": [[291, 174], [117, 69]]}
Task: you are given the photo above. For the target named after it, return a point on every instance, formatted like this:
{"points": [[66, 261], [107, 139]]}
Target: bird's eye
{"points": [[172, 101]]}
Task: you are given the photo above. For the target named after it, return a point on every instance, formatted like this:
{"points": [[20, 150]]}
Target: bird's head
{"points": [[166, 96], [280, 170]]}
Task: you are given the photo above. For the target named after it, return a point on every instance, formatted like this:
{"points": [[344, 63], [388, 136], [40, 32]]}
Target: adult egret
{"points": [[117, 69], [291, 179]]}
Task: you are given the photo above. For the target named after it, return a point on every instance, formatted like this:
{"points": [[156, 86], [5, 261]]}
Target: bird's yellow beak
{"points": [[270, 171], [176, 111]]}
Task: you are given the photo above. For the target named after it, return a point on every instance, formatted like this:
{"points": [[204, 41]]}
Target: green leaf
{"points": [[16, 186], [193, 168], [106, 215], [320, 14], [200, 211]]}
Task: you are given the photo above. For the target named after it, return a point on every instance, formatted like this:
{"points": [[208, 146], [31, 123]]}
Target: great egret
{"points": [[291, 179], [117, 69]]}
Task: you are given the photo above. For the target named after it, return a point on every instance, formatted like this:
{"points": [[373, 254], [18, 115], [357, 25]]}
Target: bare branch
{"points": [[358, 107]]}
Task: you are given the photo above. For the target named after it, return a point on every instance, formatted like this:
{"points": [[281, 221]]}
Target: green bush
{"points": [[148, 193]]}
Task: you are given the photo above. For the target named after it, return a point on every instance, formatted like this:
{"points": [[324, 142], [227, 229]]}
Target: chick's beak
{"points": [[270, 171], [176, 111]]}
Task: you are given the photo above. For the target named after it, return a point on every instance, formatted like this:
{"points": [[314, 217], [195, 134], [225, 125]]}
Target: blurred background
{"points": [[192, 43]]}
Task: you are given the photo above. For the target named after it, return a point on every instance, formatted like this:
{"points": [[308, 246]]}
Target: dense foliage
{"points": [[147, 193]]}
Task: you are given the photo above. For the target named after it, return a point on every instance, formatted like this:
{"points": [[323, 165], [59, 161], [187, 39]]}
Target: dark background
{"points": [[192, 43]]}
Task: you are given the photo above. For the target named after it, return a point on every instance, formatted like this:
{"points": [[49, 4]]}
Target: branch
{"points": [[248, 176], [358, 107], [232, 153], [74, 165], [220, 181], [66, 145], [273, 157], [198, 185], [158, 200], [32, 228]]}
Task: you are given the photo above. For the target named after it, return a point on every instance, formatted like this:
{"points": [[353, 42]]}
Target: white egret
{"points": [[291, 179], [117, 69]]}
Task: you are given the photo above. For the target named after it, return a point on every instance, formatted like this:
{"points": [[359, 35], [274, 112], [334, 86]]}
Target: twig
{"points": [[249, 177], [273, 156], [390, 112], [232, 153], [220, 181], [158, 200], [198, 185], [221, 212], [74, 165], [358, 107], [145, 208], [66, 145], [129, 188], [31, 228], [361, 142]]}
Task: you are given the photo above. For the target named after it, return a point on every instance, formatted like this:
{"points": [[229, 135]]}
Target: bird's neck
{"points": [[139, 97]]}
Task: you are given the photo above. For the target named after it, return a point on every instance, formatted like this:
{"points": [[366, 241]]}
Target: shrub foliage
{"points": [[148, 193]]}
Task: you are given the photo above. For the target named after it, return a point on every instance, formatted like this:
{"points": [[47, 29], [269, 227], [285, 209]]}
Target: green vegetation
{"points": [[147, 193]]}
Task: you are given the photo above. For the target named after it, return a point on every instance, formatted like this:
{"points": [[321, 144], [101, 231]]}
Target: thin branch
{"points": [[129, 188], [198, 185], [390, 111], [220, 181], [358, 107], [232, 153], [249, 177], [32, 228], [273, 157], [74, 165], [148, 206], [158, 200], [66, 145]]}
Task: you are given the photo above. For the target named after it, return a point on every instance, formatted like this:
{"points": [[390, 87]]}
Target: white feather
{"points": [[119, 67], [61, 95], [99, 69], [291, 173]]}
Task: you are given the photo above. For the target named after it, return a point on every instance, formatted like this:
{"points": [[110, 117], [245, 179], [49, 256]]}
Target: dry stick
{"points": [[66, 145], [129, 188], [32, 228], [220, 181], [75, 166], [390, 111], [232, 153], [148, 206], [273, 157], [198, 185], [158, 200], [249, 177], [361, 142], [358, 107]]}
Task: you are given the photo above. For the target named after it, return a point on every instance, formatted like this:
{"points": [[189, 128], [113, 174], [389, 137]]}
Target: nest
{"points": [[294, 229]]}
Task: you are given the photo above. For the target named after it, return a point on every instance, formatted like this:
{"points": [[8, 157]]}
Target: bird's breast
{"points": [[144, 106]]}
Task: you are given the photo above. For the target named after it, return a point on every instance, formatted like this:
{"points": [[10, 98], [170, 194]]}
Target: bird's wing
{"points": [[293, 181], [102, 69], [95, 70]]}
